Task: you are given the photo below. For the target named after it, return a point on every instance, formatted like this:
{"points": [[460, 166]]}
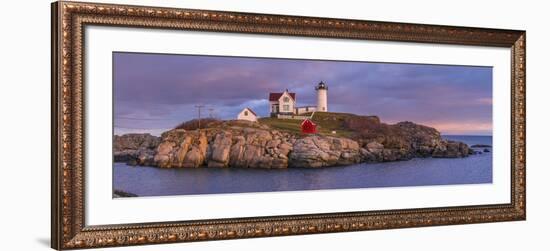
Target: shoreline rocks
{"points": [[123, 194], [244, 144], [480, 146], [451, 149], [318, 151], [135, 148]]}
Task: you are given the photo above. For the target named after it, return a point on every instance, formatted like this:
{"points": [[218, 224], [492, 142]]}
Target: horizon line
{"points": [[466, 134]]}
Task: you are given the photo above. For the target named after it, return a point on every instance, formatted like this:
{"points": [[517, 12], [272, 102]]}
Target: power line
{"points": [[139, 128], [134, 118]]}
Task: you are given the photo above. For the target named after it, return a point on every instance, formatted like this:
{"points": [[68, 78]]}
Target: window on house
{"points": [[245, 113], [286, 108], [286, 99]]}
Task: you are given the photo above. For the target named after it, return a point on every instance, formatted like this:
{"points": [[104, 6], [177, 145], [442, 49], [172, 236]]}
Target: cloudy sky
{"points": [[155, 92]]}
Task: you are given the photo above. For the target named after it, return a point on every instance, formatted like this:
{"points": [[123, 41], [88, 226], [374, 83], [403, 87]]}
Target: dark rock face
{"points": [[404, 140], [135, 148], [121, 194], [135, 141], [451, 149]]}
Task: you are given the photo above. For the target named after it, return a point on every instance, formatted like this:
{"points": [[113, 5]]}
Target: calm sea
{"points": [[151, 181]]}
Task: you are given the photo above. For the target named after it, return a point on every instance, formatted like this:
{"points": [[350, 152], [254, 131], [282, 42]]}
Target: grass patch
{"points": [[287, 125], [326, 123], [332, 121]]}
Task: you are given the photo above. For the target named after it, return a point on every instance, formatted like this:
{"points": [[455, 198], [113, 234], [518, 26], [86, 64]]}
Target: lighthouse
{"points": [[322, 97]]}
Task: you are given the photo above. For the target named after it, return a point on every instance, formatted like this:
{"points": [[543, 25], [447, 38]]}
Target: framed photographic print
{"points": [[176, 125]]}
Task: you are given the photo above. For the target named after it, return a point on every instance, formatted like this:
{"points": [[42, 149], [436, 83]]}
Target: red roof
{"points": [[251, 111], [275, 96], [308, 126], [308, 122]]}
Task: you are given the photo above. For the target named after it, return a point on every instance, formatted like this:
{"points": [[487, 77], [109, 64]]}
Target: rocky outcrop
{"points": [[451, 149], [245, 144], [401, 141], [320, 151], [121, 194], [220, 149], [180, 148], [135, 148], [237, 144]]}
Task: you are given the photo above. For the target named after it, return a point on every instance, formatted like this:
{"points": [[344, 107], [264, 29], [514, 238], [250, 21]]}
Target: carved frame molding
{"points": [[68, 22]]}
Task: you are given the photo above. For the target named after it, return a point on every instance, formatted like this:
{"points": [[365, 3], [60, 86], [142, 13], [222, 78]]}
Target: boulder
{"points": [[284, 148], [146, 158], [424, 151], [273, 143], [367, 156], [125, 155], [135, 141], [183, 149], [375, 147], [164, 152], [389, 155], [320, 151], [451, 149], [129, 147], [251, 156], [280, 162], [221, 148], [236, 151], [193, 158]]}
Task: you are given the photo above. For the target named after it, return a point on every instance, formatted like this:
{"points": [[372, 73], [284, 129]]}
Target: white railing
{"points": [[283, 116]]}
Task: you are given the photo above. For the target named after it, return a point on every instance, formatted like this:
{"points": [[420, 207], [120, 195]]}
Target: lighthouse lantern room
{"points": [[322, 102]]}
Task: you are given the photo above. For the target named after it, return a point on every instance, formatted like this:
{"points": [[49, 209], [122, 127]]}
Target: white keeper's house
{"points": [[247, 114], [284, 103]]}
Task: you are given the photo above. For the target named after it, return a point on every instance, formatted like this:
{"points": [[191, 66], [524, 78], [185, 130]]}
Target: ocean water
{"points": [[151, 181]]}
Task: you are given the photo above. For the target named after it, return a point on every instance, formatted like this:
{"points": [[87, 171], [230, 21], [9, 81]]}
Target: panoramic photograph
{"points": [[196, 124]]}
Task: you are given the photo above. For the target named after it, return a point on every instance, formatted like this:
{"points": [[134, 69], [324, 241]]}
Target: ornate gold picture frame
{"points": [[69, 230]]}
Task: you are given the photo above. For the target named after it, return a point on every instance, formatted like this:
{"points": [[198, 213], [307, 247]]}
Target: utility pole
{"points": [[199, 107], [211, 112]]}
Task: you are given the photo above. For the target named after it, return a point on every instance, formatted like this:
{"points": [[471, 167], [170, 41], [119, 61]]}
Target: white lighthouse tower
{"points": [[322, 103]]}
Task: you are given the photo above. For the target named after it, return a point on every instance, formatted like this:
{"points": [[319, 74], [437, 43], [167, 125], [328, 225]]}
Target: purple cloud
{"points": [[154, 92]]}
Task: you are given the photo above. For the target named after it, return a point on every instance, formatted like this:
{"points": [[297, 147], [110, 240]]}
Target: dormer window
{"points": [[245, 113], [286, 99]]}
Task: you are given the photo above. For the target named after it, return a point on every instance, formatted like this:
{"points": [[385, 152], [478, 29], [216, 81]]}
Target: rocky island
{"points": [[343, 139]]}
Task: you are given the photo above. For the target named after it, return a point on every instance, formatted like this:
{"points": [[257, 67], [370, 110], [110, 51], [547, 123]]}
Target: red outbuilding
{"points": [[308, 126]]}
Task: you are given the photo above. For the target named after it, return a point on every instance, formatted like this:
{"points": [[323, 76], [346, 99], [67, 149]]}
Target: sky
{"points": [[155, 92]]}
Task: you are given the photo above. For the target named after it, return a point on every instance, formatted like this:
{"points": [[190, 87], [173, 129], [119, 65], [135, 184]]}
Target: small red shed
{"points": [[308, 126]]}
